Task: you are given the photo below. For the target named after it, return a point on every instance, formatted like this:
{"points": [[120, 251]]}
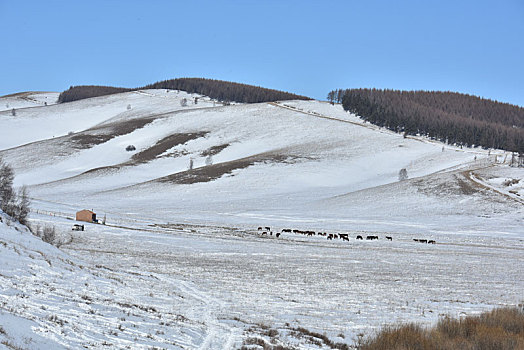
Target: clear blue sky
{"points": [[306, 47]]}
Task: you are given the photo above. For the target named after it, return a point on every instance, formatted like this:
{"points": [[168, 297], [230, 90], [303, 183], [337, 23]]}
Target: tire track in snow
{"points": [[218, 335]]}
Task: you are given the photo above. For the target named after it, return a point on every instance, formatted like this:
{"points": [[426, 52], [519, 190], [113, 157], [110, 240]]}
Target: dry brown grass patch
{"points": [[499, 329]]}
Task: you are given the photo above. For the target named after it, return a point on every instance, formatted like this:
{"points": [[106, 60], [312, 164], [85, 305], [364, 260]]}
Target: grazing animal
{"points": [[286, 230], [259, 228], [335, 236], [295, 231], [370, 238], [389, 238], [423, 240], [359, 237], [278, 234], [268, 228], [431, 241], [344, 236], [415, 239], [330, 236], [264, 233], [271, 233]]}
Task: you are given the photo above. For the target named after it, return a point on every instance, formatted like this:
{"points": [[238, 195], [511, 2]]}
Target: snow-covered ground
{"points": [[185, 242], [51, 300]]}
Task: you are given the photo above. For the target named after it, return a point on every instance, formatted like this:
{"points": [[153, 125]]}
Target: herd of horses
{"points": [[266, 230]]}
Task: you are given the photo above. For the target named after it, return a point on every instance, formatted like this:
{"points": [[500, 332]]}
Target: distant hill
{"points": [[217, 89], [446, 116]]}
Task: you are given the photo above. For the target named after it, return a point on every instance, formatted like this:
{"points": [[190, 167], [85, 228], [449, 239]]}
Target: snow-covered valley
{"points": [[181, 263]]}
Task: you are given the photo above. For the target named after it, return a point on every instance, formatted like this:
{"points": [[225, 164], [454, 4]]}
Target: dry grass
{"points": [[318, 339], [500, 329]]}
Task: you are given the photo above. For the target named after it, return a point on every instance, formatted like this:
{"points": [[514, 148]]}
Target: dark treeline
{"points": [[216, 89], [445, 116], [75, 93], [225, 90]]}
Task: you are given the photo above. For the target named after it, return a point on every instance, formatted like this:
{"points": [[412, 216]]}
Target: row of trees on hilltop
{"points": [[216, 89], [445, 116], [225, 90], [75, 93]]}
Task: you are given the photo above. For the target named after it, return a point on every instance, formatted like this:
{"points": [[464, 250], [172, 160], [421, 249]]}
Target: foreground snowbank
{"points": [[49, 300]]}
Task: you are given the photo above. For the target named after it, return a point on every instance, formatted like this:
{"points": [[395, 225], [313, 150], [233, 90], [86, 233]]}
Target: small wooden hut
{"points": [[86, 215]]}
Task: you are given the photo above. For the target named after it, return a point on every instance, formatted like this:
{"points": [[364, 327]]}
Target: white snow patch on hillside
{"points": [[27, 100]]}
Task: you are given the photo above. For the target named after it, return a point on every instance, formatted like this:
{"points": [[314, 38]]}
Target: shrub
{"points": [[49, 234]]}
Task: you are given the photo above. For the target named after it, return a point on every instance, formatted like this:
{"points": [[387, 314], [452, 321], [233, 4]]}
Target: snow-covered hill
{"points": [[185, 243], [248, 160]]}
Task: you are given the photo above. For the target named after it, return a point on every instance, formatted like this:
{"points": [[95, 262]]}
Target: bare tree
{"points": [[190, 163], [209, 160], [183, 102], [402, 174], [331, 96], [14, 204], [22, 206]]}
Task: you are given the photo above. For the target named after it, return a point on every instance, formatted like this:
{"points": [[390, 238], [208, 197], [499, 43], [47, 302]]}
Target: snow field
{"points": [[295, 281]]}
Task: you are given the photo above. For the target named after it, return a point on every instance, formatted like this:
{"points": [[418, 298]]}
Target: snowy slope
{"points": [[323, 151], [268, 157], [27, 100], [34, 124]]}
